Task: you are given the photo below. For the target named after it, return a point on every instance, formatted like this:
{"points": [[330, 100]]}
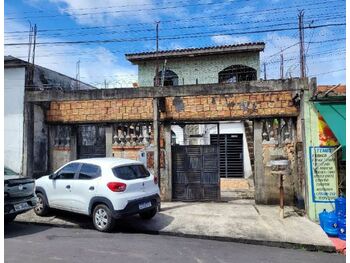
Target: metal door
{"points": [[91, 141], [231, 154], [195, 173]]}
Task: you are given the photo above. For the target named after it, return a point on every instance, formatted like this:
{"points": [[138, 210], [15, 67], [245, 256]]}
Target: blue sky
{"points": [[183, 24]]}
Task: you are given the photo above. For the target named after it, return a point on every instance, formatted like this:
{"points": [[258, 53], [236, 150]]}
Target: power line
{"points": [[124, 11], [179, 28], [169, 37], [279, 9]]}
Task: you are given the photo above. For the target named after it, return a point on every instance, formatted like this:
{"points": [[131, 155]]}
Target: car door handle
{"points": [[91, 188], [68, 187]]}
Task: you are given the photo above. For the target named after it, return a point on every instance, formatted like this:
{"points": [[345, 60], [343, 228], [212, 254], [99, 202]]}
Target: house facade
{"points": [[209, 65]]}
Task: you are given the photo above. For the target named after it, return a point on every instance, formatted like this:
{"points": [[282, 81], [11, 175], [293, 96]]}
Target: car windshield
{"points": [[8, 171], [130, 172]]}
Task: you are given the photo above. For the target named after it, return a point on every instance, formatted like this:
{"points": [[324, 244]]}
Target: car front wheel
{"points": [[41, 208], [102, 218], [148, 214]]}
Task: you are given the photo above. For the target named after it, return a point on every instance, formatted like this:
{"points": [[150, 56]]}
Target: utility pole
{"points": [[301, 44], [265, 71], [30, 40], [156, 116], [282, 67], [77, 77], [157, 49], [35, 30]]}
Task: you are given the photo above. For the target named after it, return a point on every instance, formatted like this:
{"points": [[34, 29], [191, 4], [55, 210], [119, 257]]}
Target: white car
{"points": [[104, 188]]}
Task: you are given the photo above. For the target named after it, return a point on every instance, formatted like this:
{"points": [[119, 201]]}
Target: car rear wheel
{"points": [[148, 214], [102, 218], [41, 208]]}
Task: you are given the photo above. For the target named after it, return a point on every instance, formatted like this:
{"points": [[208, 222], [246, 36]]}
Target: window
{"points": [[89, 171], [68, 171], [167, 78], [236, 73], [131, 172]]}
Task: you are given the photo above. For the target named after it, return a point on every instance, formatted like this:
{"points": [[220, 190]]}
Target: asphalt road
{"points": [[33, 243]]}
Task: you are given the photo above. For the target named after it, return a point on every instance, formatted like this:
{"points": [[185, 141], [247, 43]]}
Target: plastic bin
{"points": [[340, 206], [329, 223], [342, 228]]}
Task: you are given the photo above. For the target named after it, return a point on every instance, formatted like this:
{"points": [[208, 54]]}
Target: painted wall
{"points": [[13, 122], [203, 68], [312, 139]]}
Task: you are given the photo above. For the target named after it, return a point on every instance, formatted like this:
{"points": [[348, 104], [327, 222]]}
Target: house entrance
{"points": [[91, 141]]}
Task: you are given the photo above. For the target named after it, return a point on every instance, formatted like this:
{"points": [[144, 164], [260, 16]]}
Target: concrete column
{"points": [[156, 138], [168, 163], [258, 163], [51, 147], [109, 141], [28, 140]]}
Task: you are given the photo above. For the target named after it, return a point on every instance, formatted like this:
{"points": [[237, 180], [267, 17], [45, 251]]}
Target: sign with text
{"points": [[324, 174]]}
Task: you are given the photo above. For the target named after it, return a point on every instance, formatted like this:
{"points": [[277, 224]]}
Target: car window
{"points": [[130, 172], [89, 171], [68, 171]]}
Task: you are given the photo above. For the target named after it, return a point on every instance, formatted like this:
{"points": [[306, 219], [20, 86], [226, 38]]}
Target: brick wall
{"points": [[205, 107], [101, 110]]}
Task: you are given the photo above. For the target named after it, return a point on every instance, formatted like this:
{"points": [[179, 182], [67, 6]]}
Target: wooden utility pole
{"points": [[157, 49], [282, 67], [301, 44], [156, 115]]}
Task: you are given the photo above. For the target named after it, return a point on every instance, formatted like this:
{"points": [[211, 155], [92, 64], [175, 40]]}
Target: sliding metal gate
{"points": [[195, 173], [231, 154]]}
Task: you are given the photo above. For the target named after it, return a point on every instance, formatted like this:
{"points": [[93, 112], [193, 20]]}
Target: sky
{"points": [[75, 32]]}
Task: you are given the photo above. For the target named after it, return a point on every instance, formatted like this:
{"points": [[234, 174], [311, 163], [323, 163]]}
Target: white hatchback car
{"points": [[104, 188]]}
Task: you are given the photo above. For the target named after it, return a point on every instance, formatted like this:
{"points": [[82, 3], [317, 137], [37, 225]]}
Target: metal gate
{"points": [[195, 170], [91, 141], [231, 154]]}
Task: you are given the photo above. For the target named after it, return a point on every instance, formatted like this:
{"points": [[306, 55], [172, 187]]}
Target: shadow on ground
{"points": [[132, 224], [14, 229]]}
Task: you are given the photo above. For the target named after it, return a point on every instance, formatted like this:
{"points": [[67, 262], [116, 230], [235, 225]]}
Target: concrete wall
{"points": [[205, 69], [267, 175], [13, 120]]}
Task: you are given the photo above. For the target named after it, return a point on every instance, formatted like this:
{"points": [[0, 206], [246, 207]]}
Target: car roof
{"points": [[107, 161]]}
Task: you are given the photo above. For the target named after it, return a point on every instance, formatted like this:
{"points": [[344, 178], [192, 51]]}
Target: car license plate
{"points": [[21, 206], [145, 205]]}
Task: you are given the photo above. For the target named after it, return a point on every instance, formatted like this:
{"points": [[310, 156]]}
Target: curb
{"points": [[279, 244]]}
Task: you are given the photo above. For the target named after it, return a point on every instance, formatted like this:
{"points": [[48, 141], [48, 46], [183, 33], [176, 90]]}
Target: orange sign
{"points": [[326, 135]]}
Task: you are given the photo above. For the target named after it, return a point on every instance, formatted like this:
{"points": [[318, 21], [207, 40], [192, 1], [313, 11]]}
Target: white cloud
{"points": [[229, 40], [105, 12]]}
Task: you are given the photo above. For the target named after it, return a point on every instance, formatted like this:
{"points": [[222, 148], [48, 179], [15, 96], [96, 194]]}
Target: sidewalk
{"points": [[240, 221]]}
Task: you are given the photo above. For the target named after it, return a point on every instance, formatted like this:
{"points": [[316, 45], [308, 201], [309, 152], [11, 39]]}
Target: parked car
{"points": [[19, 194], [103, 188]]}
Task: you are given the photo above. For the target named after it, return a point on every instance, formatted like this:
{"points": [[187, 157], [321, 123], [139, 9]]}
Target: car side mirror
{"points": [[53, 176]]}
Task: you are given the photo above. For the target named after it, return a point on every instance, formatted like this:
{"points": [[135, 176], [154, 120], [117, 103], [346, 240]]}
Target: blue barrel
{"points": [[322, 216], [342, 228], [340, 206], [329, 223]]}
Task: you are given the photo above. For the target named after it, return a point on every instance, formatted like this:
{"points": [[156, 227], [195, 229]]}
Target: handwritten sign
{"points": [[324, 174]]}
